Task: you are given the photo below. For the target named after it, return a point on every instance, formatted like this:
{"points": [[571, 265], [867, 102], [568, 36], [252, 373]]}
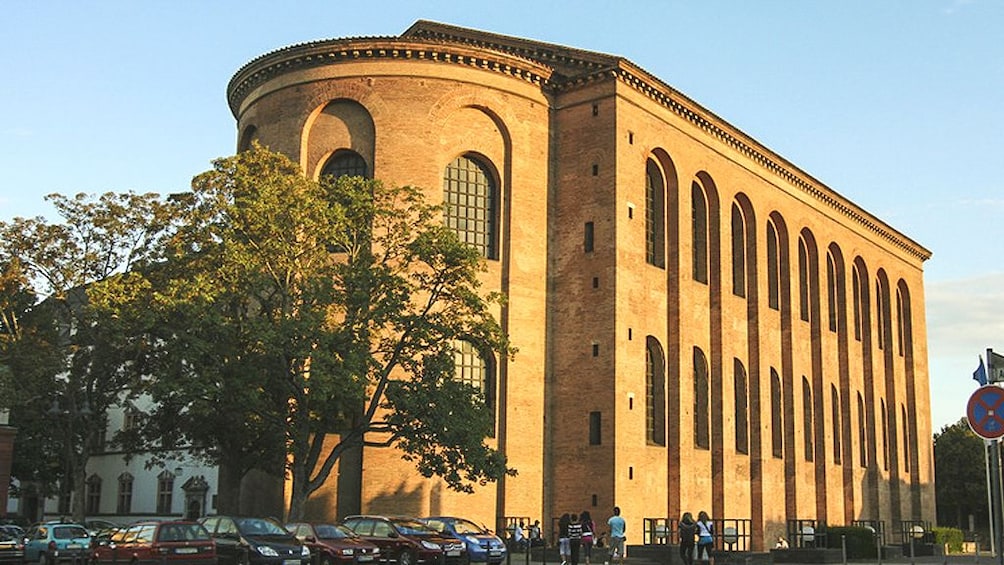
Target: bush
{"points": [[949, 538], [860, 541]]}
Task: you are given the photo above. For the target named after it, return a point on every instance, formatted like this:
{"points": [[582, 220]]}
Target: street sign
{"points": [[986, 412]]}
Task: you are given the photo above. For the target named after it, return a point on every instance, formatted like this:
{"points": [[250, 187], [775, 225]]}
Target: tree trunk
{"points": [[228, 499]]}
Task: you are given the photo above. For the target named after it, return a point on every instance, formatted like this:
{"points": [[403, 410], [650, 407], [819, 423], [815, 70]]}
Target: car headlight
{"points": [[430, 545], [348, 551], [266, 551], [471, 540], [304, 551]]}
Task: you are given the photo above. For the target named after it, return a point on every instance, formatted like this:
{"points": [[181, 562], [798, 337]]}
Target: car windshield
{"points": [[69, 532], [259, 527], [331, 531], [462, 526], [411, 527]]}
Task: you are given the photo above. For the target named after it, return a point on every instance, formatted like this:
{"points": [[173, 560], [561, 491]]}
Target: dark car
{"points": [[54, 542], [482, 545], [332, 544], [11, 547], [407, 541], [172, 542], [254, 541]]}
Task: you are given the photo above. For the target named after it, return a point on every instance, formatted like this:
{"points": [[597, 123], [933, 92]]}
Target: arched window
{"points": [[858, 311], [880, 314], [702, 436], [93, 496], [655, 215], [832, 301], [471, 368], [777, 411], [655, 393], [165, 492], [124, 505], [773, 268], [742, 407], [862, 435], [738, 251], [471, 198], [699, 232], [803, 279], [836, 423], [345, 162], [900, 323], [807, 417]]}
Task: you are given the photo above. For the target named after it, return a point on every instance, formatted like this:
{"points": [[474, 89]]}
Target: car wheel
{"points": [[42, 559], [326, 560], [405, 558]]}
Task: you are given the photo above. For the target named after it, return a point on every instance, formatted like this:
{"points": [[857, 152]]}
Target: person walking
{"points": [[588, 534], [617, 529], [705, 537], [563, 547], [574, 538], [687, 531]]}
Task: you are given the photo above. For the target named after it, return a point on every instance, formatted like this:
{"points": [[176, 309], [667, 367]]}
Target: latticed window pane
{"points": [[469, 193], [470, 367], [345, 163]]}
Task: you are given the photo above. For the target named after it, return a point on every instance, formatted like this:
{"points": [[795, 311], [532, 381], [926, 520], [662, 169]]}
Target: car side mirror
{"points": [[392, 534]]}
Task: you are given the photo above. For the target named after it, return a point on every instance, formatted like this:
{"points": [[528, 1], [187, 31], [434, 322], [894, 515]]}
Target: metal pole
{"points": [[995, 497], [878, 544], [843, 549]]}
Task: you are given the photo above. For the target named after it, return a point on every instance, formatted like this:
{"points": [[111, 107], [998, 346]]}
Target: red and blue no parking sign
{"points": [[986, 412]]}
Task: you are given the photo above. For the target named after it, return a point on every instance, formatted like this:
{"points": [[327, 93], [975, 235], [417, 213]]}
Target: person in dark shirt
{"points": [[688, 533]]}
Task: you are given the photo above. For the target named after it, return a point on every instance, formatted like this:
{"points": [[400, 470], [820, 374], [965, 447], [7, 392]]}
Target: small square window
{"points": [[596, 282], [594, 428], [588, 237], [596, 169], [596, 350], [596, 109]]}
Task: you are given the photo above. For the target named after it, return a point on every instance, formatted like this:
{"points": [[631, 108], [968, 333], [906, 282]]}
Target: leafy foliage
{"points": [[960, 475]]}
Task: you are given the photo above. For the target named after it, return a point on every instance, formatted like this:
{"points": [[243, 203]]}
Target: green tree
{"points": [[960, 476], [322, 310], [83, 356]]}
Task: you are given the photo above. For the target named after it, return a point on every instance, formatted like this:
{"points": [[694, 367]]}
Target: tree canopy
{"points": [[960, 476]]}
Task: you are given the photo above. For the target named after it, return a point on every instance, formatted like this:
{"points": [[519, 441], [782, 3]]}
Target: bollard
{"points": [[912, 560], [843, 549], [878, 548]]}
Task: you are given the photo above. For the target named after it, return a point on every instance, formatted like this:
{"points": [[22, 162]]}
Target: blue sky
{"points": [[896, 104]]}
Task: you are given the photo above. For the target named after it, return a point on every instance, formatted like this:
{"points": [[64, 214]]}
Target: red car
{"points": [[334, 545], [157, 543]]}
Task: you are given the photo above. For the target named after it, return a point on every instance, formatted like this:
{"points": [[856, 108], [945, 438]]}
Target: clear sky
{"points": [[897, 105]]}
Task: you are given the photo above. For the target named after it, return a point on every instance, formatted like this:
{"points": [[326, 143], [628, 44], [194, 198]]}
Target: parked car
{"points": [[14, 530], [55, 542], [407, 541], [332, 544], [11, 547], [96, 526], [173, 542], [482, 545], [254, 541]]}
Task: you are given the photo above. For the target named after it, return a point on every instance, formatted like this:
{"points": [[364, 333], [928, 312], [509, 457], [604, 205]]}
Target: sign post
{"points": [[985, 412]]}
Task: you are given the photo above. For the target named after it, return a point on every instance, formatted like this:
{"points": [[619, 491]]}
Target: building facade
{"points": [[700, 323]]}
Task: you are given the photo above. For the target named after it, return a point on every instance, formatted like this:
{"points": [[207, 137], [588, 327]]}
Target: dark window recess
{"points": [[630, 473], [588, 237], [596, 109], [595, 501], [630, 138], [594, 430], [596, 282], [596, 350], [596, 170], [630, 333]]}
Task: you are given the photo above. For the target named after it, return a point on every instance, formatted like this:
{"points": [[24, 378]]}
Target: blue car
{"points": [[482, 545], [55, 542]]}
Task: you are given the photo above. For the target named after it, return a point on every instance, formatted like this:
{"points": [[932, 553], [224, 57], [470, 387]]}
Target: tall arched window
{"points": [[471, 197], [900, 323], [803, 279], [165, 492], [807, 435], [702, 435], [655, 215], [93, 496], [124, 505], [777, 411], [880, 314], [862, 434], [836, 423], [655, 393], [471, 367], [699, 232], [832, 300], [738, 251], [742, 407], [858, 312], [345, 162], [773, 268]]}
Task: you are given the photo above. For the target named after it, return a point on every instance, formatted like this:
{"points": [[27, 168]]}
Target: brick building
{"points": [[700, 323]]}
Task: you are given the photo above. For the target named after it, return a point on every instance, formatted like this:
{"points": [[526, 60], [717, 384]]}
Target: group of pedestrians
{"points": [[697, 538], [576, 537]]}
